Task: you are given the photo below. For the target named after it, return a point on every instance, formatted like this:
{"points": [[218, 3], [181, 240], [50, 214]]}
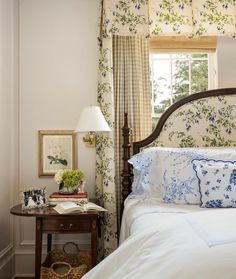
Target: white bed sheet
{"points": [[137, 210], [162, 243]]}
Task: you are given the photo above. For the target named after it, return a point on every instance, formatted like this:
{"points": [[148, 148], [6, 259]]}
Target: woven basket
{"points": [[62, 270], [61, 264]]}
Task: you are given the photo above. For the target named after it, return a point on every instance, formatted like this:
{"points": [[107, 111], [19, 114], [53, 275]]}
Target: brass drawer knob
{"points": [[64, 227]]}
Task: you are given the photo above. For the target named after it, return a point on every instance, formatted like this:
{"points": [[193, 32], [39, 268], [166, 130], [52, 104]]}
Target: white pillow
{"points": [[178, 180], [217, 181], [168, 173], [145, 174]]}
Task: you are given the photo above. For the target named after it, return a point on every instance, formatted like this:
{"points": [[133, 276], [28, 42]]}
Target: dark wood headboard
{"points": [[204, 110]]}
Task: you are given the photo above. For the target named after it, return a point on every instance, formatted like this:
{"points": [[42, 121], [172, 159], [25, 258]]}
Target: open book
{"points": [[67, 207]]}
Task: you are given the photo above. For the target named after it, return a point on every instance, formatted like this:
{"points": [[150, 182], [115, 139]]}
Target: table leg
{"points": [[49, 242], [94, 241], [38, 247]]}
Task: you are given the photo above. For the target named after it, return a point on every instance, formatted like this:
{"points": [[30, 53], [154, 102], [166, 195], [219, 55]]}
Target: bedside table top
{"points": [[47, 212]]}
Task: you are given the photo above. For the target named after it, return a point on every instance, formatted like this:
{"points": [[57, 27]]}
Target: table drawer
{"points": [[65, 225]]}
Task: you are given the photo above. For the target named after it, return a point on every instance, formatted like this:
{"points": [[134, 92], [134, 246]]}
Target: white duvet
{"points": [[174, 246]]}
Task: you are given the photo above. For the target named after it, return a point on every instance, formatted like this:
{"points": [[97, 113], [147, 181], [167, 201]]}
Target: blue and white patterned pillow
{"points": [[144, 171], [217, 182], [178, 180], [167, 172]]}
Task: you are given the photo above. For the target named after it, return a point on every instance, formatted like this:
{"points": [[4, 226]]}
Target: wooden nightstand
{"points": [[50, 222]]}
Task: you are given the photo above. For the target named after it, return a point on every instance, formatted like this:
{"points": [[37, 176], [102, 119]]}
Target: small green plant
{"points": [[69, 178]]}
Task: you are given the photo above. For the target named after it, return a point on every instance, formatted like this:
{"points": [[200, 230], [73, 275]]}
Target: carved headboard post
{"points": [[126, 173]]}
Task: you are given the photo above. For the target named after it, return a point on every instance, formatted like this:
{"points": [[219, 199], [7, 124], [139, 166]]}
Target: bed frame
{"points": [[200, 120]]}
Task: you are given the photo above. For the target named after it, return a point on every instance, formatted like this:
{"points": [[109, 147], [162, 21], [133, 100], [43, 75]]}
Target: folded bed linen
{"points": [[220, 230]]}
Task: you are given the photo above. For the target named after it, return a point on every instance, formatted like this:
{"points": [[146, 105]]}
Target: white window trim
{"points": [[212, 71]]}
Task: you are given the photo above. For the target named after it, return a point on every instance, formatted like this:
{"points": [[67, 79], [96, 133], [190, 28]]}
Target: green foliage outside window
{"points": [[189, 75]]}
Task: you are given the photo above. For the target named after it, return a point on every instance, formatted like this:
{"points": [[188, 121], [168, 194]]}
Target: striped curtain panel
{"points": [[132, 94]]}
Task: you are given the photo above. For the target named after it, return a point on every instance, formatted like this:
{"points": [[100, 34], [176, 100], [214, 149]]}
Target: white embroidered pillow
{"points": [[144, 171], [217, 182], [175, 173], [168, 173]]}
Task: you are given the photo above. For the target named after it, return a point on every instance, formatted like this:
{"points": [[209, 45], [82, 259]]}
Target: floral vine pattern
{"points": [[105, 171], [168, 17], [201, 123], [125, 17], [214, 17]]}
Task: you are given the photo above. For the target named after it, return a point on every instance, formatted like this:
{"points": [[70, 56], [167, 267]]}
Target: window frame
{"points": [[182, 45]]}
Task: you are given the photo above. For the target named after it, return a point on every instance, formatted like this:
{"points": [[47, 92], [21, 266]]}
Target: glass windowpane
{"points": [[175, 76], [180, 79]]}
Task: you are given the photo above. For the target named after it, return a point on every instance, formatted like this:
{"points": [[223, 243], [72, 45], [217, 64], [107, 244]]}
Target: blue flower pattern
{"points": [[168, 173], [179, 184], [178, 192], [217, 181]]}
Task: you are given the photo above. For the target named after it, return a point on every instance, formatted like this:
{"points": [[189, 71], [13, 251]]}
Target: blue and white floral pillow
{"points": [[167, 172], [217, 182], [178, 180]]}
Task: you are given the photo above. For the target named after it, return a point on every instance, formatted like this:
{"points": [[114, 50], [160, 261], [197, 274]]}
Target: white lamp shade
{"points": [[92, 120]]}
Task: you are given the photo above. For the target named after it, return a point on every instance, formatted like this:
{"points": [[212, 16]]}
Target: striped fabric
{"points": [[132, 94]]}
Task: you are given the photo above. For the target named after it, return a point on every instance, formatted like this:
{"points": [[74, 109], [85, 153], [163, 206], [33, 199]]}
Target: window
{"points": [[177, 73]]}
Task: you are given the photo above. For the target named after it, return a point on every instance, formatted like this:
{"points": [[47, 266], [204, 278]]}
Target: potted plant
{"points": [[69, 180]]}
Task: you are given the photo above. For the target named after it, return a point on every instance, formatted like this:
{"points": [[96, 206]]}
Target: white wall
{"points": [[8, 130], [226, 59], [58, 77]]}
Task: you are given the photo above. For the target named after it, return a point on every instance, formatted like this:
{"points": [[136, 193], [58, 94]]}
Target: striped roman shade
{"points": [[175, 44]]}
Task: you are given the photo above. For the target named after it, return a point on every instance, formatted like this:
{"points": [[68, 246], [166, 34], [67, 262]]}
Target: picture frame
{"points": [[56, 151], [34, 198]]}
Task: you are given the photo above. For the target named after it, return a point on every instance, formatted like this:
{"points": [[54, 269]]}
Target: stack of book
{"points": [[78, 198]]}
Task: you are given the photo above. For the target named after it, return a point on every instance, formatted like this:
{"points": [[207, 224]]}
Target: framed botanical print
{"points": [[56, 151]]}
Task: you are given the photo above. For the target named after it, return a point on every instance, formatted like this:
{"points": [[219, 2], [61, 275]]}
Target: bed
{"points": [[179, 192]]}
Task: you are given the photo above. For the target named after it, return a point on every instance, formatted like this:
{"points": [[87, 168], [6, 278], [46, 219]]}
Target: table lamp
{"points": [[91, 120]]}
